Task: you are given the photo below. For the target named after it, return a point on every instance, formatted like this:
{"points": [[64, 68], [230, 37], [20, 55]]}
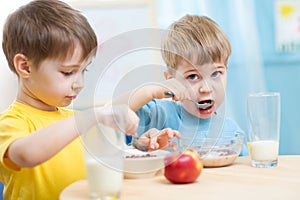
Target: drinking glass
{"points": [[104, 160], [263, 111]]}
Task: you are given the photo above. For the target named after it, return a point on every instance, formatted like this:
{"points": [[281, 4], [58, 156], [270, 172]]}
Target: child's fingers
{"points": [[162, 139], [153, 134], [119, 117], [171, 133], [176, 89], [153, 143], [173, 145], [130, 129], [149, 138]]}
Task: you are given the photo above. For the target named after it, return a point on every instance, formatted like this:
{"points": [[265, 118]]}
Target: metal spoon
{"points": [[138, 145], [198, 105]]}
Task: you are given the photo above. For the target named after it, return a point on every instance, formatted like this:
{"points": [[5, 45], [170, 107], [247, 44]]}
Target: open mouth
{"points": [[205, 104]]}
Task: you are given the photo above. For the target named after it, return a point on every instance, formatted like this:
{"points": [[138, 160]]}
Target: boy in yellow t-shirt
{"points": [[48, 45]]}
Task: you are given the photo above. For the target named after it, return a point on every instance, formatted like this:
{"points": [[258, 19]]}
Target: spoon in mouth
{"points": [[202, 106]]}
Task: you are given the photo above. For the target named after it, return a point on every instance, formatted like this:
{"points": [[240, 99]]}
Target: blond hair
{"points": [[192, 36], [46, 29]]}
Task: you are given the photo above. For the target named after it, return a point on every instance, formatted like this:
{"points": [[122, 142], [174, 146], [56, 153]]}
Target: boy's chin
{"points": [[65, 104], [205, 116], [197, 113]]}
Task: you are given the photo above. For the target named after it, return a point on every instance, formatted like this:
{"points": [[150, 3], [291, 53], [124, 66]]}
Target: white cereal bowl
{"points": [[139, 164]]}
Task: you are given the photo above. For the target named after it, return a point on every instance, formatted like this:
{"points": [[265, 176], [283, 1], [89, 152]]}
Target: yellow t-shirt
{"points": [[45, 181]]}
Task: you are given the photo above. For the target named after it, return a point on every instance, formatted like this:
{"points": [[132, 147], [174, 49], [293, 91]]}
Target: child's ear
{"points": [[167, 75], [21, 65]]}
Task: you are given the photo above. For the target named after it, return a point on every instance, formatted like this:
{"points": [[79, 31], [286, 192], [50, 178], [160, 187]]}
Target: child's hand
{"points": [[119, 117], [179, 90], [160, 139], [142, 95]]}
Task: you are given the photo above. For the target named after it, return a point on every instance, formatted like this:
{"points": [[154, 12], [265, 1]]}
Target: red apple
{"points": [[183, 167]]}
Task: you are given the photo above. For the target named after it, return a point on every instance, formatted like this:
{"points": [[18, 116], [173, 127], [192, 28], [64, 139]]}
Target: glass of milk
{"points": [[103, 146], [263, 110]]}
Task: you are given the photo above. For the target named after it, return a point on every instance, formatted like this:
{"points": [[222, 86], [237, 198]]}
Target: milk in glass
{"points": [[103, 180], [264, 150]]}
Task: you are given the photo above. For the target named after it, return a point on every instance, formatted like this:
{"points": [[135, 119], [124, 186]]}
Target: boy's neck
{"points": [[35, 104]]}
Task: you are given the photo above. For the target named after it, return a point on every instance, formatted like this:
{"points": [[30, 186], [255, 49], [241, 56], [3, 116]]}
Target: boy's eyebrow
{"points": [[220, 65], [191, 70], [75, 65]]}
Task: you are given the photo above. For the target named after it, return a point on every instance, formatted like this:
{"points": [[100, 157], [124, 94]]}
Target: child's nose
{"points": [[205, 87], [78, 83]]}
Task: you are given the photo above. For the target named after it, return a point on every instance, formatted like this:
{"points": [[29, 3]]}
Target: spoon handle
{"points": [[201, 106]]}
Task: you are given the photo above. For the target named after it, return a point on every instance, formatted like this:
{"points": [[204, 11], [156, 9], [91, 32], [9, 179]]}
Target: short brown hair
{"points": [[195, 35], [46, 29]]}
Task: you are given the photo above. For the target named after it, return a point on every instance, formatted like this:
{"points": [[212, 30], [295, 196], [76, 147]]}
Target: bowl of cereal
{"points": [[215, 151], [140, 164]]}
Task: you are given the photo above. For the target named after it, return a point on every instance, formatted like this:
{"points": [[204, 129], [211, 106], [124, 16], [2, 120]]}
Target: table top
{"points": [[237, 181]]}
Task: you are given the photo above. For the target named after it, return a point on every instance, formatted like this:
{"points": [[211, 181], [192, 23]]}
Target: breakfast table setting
{"points": [[237, 181], [210, 168]]}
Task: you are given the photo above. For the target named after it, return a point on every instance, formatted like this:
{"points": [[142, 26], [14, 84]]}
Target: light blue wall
{"points": [[282, 73]]}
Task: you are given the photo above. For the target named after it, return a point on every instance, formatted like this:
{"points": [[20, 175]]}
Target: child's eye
{"points": [[67, 73], [193, 77], [216, 74]]}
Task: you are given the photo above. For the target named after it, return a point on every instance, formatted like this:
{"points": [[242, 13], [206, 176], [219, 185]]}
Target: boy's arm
{"points": [[43, 144], [142, 95]]}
